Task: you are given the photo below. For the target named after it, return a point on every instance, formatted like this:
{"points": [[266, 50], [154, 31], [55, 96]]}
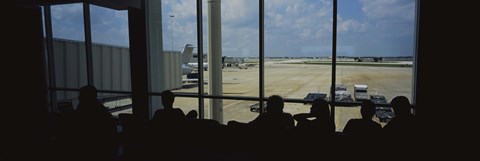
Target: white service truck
{"points": [[360, 92]]}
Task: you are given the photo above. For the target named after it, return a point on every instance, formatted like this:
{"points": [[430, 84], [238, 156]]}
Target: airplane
{"points": [[238, 62], [186, 54], [195, 64]]}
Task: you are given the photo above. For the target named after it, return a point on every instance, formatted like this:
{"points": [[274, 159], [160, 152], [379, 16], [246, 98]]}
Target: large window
{"points": [[72, 46], [69, 53], [111, 55], [297, 48], [240, 52], [295, 52], [178, 60], [375, 48], [298, 40]]}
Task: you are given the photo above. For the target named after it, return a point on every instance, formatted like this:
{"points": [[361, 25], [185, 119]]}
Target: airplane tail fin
{"points": [[223, 59], [187, 53]]}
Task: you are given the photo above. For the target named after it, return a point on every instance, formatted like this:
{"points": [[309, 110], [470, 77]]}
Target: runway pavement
{"points": [[296, 81]]}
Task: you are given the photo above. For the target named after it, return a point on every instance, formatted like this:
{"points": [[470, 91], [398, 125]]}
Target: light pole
{"points": [[172, 16]]}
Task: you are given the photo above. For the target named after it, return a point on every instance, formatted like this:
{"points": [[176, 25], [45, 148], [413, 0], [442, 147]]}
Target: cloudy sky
{"points": [[292, 27]]}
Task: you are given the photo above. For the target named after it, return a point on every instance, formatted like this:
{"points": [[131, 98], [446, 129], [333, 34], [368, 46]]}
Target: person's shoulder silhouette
{"points": [[168, 113], [318, 119], [88, 103], [403, 121], [364, 126], [94, 124], [274, 117], [90, 109]]}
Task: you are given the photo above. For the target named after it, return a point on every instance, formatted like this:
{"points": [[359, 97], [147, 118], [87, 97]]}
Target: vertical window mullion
{"points": [[200, 59], [262, 53], [88, 42], [50, 57], [415, 52], [334, 59]]}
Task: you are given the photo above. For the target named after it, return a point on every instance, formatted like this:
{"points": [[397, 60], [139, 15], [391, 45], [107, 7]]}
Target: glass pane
{"points": [[343, 114], [238, 110], [296, 108], [298, 40], [235, 110], [179, 25], [186, 104], [240, 48], [375, 51], [69, 45], [110, 49]]}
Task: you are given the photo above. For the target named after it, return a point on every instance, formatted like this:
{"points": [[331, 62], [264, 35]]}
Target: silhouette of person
{"points": [[168, 114], [274, 118], [191, 115], [318, 119], [365, 126], [402, 123], [97, 128]]}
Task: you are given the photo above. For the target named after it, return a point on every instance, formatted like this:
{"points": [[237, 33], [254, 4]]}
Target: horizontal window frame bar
{"points": [[99, 91], [251, 98], [244, 98]]}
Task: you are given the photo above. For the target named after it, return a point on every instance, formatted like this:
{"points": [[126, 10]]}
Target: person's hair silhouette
{"points": [[167, 99], [275, 104], [403, 123], [87, 98], [365, 126], [401, 107]]}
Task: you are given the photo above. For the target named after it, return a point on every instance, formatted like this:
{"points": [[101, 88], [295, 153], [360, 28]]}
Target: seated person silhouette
{"points": [[317, 120], [365, 126], [96, 126], [92, 113], [168, 115], [274, 118], [403, 121]]}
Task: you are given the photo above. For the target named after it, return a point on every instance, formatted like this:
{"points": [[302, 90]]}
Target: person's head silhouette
{"points": [[368, 109], [88, 94], [275, 104], [320, 108], [167, 99], [401, 106]]}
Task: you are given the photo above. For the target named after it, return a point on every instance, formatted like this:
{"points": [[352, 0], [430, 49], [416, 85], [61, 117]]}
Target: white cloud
{"points": [[350, 25], [183, 9], [67, 21], [64, 11], [291, 26], [237, 13], [379, 9]]}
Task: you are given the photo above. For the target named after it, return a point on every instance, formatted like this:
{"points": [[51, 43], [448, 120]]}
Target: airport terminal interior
{"points": [[275, 78]]}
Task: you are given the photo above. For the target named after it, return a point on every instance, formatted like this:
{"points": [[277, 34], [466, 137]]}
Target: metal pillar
{"points": [[215, 59]]}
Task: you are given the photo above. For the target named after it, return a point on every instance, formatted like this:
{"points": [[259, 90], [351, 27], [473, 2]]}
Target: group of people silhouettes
{"points": [[94, 132]]}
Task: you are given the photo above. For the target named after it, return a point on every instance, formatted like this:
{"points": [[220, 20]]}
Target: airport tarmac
{"points": [[296, 81]]}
